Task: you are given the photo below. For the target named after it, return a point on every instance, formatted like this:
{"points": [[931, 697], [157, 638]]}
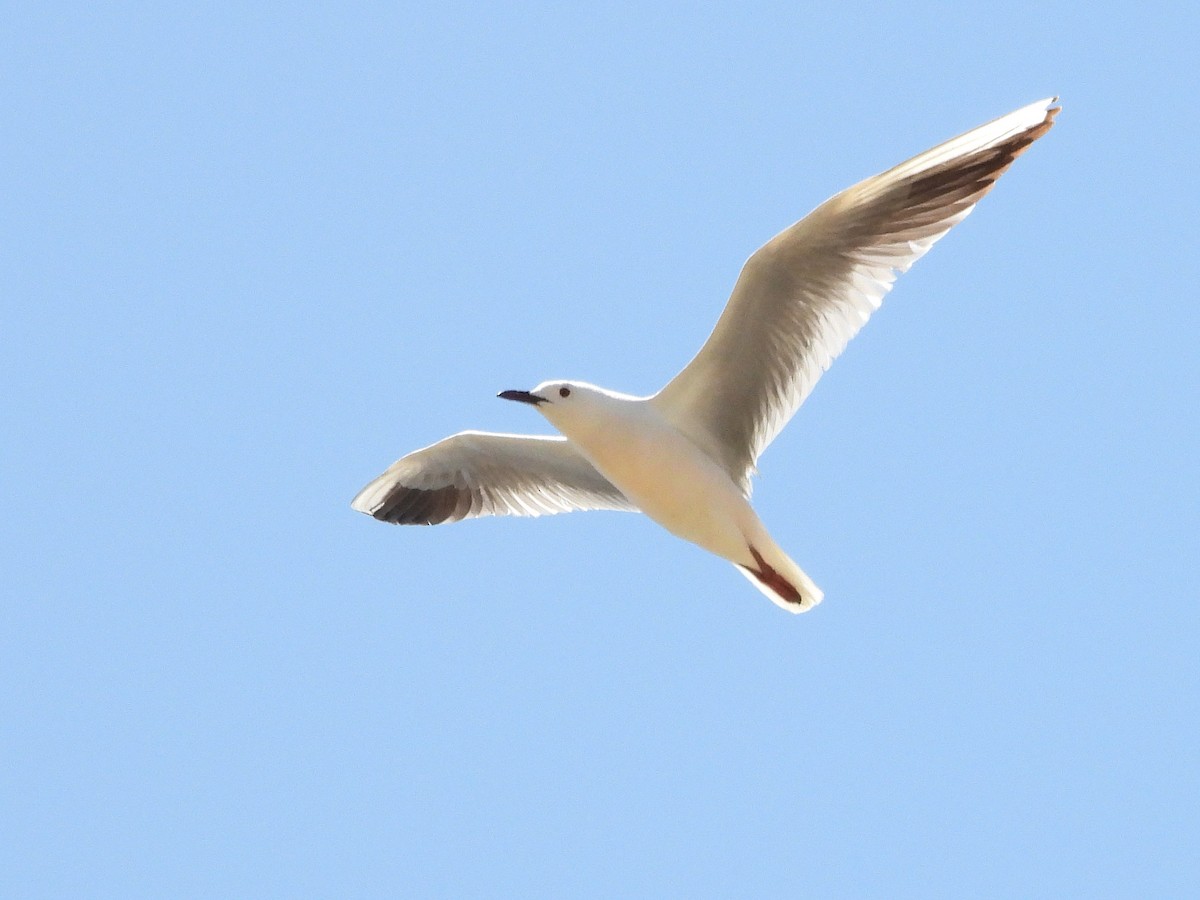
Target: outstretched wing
{"points": [[480, 474], [804, 294]]}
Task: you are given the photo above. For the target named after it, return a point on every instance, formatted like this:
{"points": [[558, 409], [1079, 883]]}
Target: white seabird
{"points": [[685, 455]]}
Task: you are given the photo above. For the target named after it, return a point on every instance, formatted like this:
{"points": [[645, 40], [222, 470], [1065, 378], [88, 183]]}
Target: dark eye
{"points": [[564, 392]]}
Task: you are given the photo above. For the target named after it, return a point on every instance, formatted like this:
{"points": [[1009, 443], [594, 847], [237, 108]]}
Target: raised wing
{"points": [[806, 292], [480, 474]]}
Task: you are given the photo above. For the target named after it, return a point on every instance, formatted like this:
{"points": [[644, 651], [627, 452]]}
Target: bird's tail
{"points": [[780, 579]]}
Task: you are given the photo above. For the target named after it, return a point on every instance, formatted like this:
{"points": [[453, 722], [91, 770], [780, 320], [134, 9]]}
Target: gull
{"points": [[685, 456]]}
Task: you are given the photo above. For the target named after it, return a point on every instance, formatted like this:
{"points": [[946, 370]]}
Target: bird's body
{"points": [[672, 482], [666, 476], [685, 455]]}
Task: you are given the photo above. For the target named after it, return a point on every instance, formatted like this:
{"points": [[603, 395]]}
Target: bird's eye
{"points": [[564, 392]]}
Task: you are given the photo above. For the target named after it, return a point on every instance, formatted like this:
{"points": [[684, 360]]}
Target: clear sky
{"points": [[253, 252]]}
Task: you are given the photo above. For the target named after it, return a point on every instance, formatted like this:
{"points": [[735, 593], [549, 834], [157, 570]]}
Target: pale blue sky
{"points": [[255, 252]]}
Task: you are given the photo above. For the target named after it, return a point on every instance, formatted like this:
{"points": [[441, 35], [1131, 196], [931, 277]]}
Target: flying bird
{"points": [[685, 456]]}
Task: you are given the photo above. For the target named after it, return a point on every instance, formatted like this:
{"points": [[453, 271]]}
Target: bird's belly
{"points": [[680, 488]]}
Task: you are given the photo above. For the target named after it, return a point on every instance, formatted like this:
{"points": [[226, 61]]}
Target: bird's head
{"points": [[570, 406]]}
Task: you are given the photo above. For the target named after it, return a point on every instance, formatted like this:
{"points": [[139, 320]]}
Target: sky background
{"points": [[252, 253]]}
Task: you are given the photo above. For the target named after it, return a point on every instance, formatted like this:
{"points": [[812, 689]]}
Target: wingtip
{"points": [[365, 500], [1050, 108], [1033, 115], [1047, 122]]}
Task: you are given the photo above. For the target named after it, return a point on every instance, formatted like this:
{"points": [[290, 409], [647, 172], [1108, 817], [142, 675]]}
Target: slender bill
{"points": [[521, 397]]}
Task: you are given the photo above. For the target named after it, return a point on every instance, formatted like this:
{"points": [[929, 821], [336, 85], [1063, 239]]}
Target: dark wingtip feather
{"points": [[977, 172], [419, 506], [1019, 143]]}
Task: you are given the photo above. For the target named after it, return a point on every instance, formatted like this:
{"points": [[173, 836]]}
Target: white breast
{"points": [[670, 479]]}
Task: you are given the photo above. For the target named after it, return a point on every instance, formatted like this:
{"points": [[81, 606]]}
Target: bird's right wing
{"points": [[805, 293], [480, 474]]}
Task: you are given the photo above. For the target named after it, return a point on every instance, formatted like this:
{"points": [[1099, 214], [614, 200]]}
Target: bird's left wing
{"points": [[808, 290], [476, 473]]}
